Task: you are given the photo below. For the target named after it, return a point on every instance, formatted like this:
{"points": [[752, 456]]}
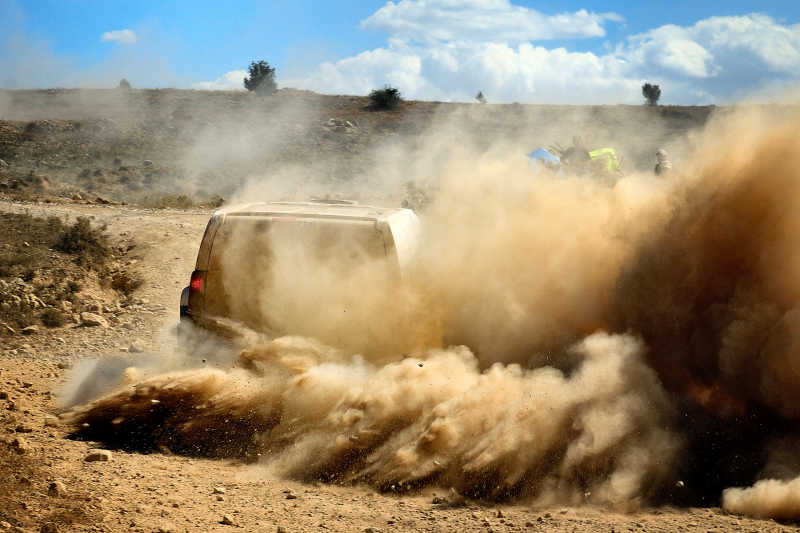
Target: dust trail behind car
{"points": [[696, 276]]}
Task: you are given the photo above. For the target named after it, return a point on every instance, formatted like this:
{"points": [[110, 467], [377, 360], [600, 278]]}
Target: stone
{"points": [[372, 530], [18, 405], [93, 320], [20, 445], [23, 428], [137, 346], [51, 421], [227, 520], [147, 163], [48, 527], [57, 489], [98, 455], [219, 490], [30, 330]]}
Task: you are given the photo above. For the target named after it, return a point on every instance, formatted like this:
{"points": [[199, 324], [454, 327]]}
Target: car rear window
{"points": [[333, 243]]}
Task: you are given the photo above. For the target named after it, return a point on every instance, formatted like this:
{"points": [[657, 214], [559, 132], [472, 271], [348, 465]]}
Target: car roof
{"points": [[322, 209]]}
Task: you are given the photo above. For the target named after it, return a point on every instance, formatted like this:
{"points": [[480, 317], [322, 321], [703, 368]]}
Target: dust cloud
{"points": [[769, 498], [591, 435], [592, 339]]}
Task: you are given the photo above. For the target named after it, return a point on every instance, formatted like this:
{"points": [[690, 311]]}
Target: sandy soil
{"points": [[162, 492]]}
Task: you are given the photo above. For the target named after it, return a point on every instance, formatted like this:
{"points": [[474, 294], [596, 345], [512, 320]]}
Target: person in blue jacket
{"points": [[542, 160]]}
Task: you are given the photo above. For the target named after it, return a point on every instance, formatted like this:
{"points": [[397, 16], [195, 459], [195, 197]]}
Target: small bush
{"points": [[180, 201], [125, 282], [52, 318], [216, 201], [124, 84], [87, 243], [386, 98], [21, 263]]}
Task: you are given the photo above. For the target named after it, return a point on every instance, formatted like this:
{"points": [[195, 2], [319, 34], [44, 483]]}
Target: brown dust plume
{"points": [[695, 275]]}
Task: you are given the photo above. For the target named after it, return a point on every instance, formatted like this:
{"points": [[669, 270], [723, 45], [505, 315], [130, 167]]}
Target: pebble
{"points": [[20, 445], [30, 330], [48, 527], [137, 346], [219, 490], [57, 488], [17, 405], [98, 455], [227, 520]]}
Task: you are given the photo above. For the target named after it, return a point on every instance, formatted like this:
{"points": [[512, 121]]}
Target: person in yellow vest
{"points": [[605, 161]]}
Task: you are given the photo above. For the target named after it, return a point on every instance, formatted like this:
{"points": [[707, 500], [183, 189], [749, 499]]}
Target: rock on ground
{"points": [[98, 455], [93, 320]]}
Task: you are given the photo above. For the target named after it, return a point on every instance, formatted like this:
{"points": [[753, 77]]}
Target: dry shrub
{"points": [[87, 243], [180, 201], [52, 318], [125, 282]]}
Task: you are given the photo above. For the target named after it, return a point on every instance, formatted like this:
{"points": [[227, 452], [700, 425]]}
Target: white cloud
{"points": [[714, 60], [482, 20], [524, 73], [232, 80], [119, 36]]}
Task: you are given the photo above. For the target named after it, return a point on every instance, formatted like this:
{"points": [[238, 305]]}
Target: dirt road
{"points": [[163, 492]]}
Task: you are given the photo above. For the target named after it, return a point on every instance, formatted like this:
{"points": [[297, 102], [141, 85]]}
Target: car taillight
{"points": [[198, 281], [197, 285]]}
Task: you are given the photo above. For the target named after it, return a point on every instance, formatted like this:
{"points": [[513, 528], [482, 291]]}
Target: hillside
{"points": [[142, 145]]}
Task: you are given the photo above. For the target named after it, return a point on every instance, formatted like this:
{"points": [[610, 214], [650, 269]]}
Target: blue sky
{"points": [[512, 50]]}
